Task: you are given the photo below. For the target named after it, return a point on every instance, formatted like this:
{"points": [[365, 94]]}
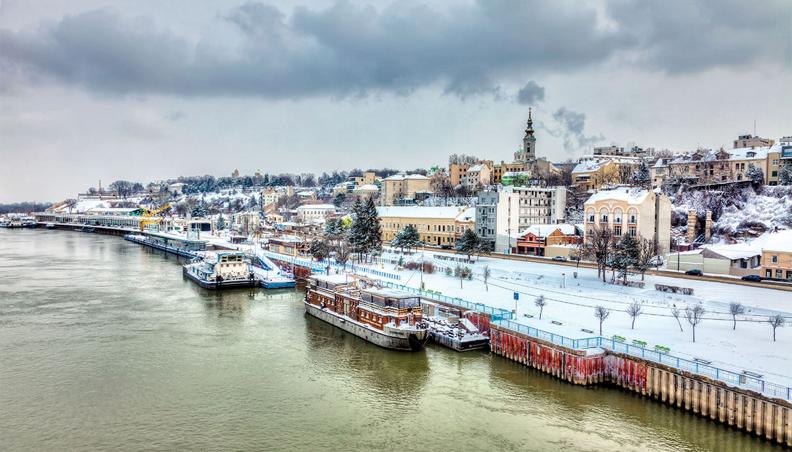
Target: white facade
{"points": [[310, 213], [497, 218], [540, 205]]}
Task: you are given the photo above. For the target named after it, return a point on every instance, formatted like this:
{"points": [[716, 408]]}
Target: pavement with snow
{"points": [[571, 301]]}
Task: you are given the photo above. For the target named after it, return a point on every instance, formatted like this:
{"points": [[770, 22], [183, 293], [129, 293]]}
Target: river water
{"points": [[103, 345]]}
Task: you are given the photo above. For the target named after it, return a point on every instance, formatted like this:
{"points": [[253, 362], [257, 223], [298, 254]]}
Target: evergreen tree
{"points": [[220, 222], [318, 249], [642, 177], [755, 174], [410, 238], [785, 174], [373, 229], [469, 243], [626, 256], [357, 232]]}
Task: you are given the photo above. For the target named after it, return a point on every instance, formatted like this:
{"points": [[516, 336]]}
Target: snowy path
{"points": [[571, 301]]}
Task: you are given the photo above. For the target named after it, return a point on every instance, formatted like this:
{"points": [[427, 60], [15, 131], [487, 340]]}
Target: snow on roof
{"points": [[475, 168], [427, 212], [589, 165], [116, 210], [631, 195], [735, 251], [758, 153], [543, 230], [305, 193], [402, 176], [367, 187], [333, 279], [775, 241], [317, 206]]}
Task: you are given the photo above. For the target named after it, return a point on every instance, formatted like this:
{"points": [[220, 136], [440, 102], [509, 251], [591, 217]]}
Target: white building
{"points": [[497, 218], [540, 205], [310, 213]]}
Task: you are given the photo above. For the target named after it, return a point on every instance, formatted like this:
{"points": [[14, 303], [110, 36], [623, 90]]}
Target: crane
{"points": [[149, 214]]}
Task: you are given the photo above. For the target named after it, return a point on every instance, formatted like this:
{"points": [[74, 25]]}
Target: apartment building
{"points": [[479, 175], [439, 226], [539, 205], [631, 210], [498, 218], [400, 189]]}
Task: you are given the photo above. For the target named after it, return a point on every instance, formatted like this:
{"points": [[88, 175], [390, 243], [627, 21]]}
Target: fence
{"points": [[740, 380], [494, 313], [321, 267]]}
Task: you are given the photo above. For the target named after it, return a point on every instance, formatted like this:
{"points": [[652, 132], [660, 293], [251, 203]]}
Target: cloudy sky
{"points": [[144, 89]]}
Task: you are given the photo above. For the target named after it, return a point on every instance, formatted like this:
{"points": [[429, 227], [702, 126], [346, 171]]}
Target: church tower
{"points": [[528, 151]]}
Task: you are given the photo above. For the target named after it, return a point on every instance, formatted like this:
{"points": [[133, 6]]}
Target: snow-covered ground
{"points": [[571, 301]]}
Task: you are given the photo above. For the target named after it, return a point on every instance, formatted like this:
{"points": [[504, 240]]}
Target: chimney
{"points": [[708, 226], [691, 226]]}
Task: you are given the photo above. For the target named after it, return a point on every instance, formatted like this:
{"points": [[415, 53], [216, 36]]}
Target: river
{"points": [[103, 345]]}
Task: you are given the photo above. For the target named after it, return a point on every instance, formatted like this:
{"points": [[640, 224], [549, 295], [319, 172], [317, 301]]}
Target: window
{"points": [[632, 231], [617, 216], [603, 215], [779, 273], [617, 231], [590, 215], [632, 216], [774, 259]]}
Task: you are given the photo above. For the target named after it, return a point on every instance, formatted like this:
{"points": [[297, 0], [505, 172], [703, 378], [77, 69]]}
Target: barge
{"points": [[386, 317], [221, 270]]}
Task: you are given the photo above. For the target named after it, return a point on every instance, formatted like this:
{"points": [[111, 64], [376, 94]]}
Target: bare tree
{"points": [[600, 245], [647, 252], [634, 310], [540, 303], [736, 309], [486, 272], [694, 316], [675, 312], [775, 321], [602, 314]]}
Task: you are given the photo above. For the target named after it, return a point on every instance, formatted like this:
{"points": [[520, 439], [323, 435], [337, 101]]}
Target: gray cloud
{"points": [[573, 130], [530, 94], [681, 36], [343, 50]]}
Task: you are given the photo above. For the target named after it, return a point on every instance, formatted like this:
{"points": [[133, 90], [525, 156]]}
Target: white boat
{"points": [[221, 270]]}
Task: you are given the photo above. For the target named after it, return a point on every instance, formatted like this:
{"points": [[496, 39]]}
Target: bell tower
{"points": [[528, 151]]}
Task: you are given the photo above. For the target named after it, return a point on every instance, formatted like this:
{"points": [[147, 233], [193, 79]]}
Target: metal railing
{"points": [[321, 267], [732, 378], [494, 313]]}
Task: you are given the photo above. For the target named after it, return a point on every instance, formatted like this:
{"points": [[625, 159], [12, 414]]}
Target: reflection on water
{"points": [[104, 345]]}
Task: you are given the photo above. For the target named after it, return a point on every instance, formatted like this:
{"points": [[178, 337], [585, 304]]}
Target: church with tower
{"points": [[525, 161]]}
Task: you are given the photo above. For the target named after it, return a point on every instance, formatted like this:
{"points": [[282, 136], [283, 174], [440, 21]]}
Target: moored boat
{"points": [[221, 270], [386, 317]]}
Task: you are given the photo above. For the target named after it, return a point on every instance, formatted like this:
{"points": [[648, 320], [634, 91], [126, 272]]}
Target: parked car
{"points": [[753, 278], [694, 272], [559, 259]]}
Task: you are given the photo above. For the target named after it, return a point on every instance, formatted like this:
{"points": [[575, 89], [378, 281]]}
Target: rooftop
{"points": [[426, 212], [630, 195]]}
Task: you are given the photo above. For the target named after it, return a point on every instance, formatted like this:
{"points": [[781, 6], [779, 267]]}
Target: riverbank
{"points": [[108, 347]]}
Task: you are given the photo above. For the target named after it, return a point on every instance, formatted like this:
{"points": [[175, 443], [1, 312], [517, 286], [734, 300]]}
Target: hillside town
{"points": [[720, 212]]}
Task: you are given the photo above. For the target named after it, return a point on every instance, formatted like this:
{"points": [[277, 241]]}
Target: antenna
{"points": [[754, 127]]}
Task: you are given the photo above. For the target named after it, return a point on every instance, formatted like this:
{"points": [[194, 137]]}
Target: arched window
{"points": [[632, 216], [603, 215], [617, 216], [590, 215]]}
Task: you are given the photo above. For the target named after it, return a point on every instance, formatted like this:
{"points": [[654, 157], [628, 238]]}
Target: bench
{"points": [[662, 349], [618, 338], [639, 343]]}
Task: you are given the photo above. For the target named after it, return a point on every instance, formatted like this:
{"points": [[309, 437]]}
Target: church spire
{"points": [[529, 130]]}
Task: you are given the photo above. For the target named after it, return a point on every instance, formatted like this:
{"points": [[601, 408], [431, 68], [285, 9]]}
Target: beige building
{"points": [[712, 168], [752, 141], [403, 188], [479, 175], [777, 255], [594, 173], [439, 226], [631, 210]]}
